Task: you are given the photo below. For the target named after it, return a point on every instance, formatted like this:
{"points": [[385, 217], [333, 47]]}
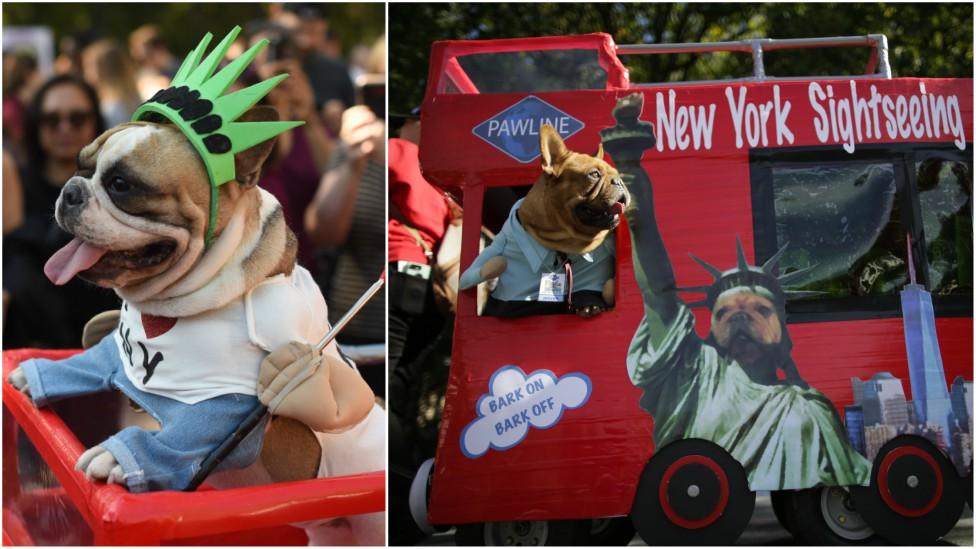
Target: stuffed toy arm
{"points": [[320, 390], [489, 264]]}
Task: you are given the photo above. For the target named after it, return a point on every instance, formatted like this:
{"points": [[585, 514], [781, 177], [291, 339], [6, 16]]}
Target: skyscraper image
{"points": [[961, 396], [854, 421], [883, 400], [929, 391]]}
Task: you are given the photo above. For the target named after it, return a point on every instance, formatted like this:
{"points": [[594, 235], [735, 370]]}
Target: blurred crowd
{"points": [[328, 174]]}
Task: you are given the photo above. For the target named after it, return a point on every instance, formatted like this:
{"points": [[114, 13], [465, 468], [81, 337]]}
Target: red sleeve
{"points": [[420, 203]]}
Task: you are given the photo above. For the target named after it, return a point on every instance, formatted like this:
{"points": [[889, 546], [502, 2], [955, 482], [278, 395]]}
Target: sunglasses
{"points": [[77, 119]]}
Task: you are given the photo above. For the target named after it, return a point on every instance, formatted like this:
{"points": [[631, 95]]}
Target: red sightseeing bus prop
{"points": [[588, 464]]}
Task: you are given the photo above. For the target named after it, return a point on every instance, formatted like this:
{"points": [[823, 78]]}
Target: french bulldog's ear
{"points": [[247, 163], [599, 152], [553, 149]]}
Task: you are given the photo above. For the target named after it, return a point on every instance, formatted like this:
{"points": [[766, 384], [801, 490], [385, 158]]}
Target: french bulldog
{"points": [[563, 230], [191, 344], [746, 327]]}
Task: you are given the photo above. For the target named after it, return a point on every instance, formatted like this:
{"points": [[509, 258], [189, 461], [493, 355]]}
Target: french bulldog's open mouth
{"points": [[744, 347], [602, 218], [81, 257]]}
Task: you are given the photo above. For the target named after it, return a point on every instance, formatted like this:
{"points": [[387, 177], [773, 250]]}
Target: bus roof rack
{"points": [[877, 66]]}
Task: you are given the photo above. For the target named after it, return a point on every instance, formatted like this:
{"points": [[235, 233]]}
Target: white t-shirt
{"points": [[218, 352]]}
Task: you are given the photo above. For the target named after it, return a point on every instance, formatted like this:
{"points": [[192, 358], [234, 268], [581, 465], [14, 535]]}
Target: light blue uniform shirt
{"points": [[528, 260]]}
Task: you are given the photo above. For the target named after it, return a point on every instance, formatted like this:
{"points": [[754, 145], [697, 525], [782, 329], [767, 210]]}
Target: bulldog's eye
{"points": [[720, 313], [765, 311], [119, 185], [594, 175]]}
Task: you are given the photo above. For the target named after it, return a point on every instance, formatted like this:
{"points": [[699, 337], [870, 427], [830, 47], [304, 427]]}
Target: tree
{"points": [[182, 24]]}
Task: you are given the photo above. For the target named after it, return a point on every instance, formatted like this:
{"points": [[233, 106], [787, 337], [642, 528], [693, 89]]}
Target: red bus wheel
{"points": [[692, 492], [915, 496]]}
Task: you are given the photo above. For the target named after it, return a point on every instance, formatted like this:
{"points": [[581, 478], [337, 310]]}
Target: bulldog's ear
{"points": [[599, 152], [247, 163], [88, 154], [553, 149]]}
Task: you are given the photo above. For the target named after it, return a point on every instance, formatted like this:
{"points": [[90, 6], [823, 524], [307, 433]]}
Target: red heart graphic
{"points": [[156, 325]]}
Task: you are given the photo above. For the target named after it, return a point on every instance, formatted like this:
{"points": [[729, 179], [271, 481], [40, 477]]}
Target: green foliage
{"points": [[182, 24], [931, 39]]}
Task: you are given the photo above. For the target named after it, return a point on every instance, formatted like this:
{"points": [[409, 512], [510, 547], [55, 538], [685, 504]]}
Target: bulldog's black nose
{"points": [[73, 194], [739, 318]]}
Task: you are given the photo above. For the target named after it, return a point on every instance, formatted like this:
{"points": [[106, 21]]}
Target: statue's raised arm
{"points": [[626, 143]]}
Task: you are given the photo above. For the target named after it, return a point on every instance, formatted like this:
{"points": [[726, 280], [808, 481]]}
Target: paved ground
{"points": [[764, 529]]}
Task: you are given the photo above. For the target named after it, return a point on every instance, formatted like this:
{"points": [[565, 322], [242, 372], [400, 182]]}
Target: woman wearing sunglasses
{"points": [[61, 119]]}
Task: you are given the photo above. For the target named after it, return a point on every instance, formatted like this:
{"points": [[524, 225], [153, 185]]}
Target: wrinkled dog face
{"points": [[746, 325], [592, 192], [138, 200]]}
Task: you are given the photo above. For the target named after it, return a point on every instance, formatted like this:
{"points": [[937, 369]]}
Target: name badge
{"points": [[552, 287]]}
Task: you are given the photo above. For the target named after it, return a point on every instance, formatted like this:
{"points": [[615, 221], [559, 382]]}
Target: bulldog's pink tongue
{"points": [[77, 256], [618, 208]]}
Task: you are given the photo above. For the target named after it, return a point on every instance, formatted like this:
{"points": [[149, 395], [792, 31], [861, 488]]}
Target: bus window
{"points": [[535, 71], [945, 193], [843, 223]]}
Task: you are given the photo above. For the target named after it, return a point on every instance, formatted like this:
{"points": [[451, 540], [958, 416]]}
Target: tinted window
{"points": [[535, 71], [845, 218], [945, 192], [843, 223]]}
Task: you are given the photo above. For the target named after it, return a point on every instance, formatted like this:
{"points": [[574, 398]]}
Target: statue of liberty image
{"points": [[727, 387]]}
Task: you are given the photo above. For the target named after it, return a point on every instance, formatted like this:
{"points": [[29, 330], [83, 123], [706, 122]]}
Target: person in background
{"points": [[70, 47], [419, 217], [329, 77], [300, 157], [13, 195], [13, 207], [20, 79], [62, 118], [156, 64], [107, 67], [347, 215]]}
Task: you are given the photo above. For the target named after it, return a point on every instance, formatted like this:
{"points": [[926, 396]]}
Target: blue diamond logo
{"points": [[515, 130]]}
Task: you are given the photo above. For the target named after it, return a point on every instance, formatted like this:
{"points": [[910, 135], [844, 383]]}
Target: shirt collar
{"points": [[537, 255]]}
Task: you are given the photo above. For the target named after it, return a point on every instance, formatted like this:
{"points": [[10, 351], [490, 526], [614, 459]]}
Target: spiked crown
{"points": [[744, 275], [196, 104]]}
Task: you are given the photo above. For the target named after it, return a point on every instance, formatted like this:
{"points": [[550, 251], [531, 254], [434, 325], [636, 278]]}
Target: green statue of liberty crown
{"points": [[195, 103], [765, 279]]}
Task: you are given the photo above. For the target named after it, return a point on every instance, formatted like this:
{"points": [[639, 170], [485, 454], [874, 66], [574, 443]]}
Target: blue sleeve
{"points": [[169, 458], [82, 374], [472, 275]]}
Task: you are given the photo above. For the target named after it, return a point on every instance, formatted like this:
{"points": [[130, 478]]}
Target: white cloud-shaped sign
{"points": [[516, 402]]}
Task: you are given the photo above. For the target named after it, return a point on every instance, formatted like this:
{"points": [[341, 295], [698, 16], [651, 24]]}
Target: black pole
{"points": [[226, 447]]}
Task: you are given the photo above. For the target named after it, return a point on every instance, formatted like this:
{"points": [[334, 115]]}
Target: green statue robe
{"points": [[784, 436]]}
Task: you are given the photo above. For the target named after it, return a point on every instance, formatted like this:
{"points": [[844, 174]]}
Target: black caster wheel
{"points": [[692, 492], [781, 501], [915, 496], [523, 532], [609, 532], [827, 516]]}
